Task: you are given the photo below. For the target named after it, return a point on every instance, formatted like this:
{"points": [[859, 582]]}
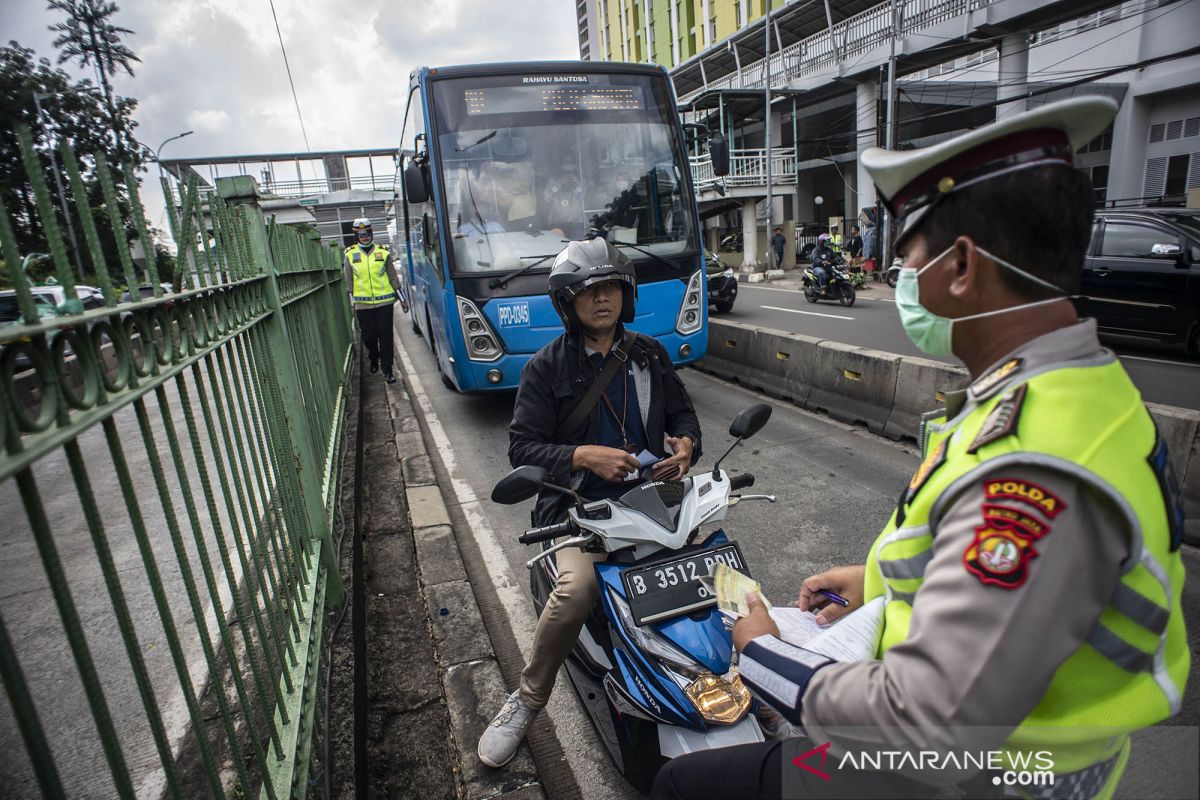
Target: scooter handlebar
{"points": [[543, 534], [743, 481]]}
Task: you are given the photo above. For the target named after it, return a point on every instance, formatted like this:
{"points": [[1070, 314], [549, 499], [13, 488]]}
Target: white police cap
{"points": [[910, 182]]}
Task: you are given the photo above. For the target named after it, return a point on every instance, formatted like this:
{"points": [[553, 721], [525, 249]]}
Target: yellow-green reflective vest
{"points": [[371, 284], [1088, 420], [836, 242]]}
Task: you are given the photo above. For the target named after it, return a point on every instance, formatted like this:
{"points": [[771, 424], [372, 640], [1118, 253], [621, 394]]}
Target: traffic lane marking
{"points": [[809, 313], [758, 288]]}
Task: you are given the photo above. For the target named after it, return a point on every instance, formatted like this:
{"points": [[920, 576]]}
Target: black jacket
{"points": [[552, 383]]}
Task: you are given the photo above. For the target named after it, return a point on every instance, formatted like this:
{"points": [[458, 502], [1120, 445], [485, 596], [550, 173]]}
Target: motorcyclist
{"points": [[822, 259], [643, 407]]}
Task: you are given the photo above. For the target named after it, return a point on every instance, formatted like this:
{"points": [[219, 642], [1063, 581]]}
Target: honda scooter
{"points": [[652, 664], [838, 285]]}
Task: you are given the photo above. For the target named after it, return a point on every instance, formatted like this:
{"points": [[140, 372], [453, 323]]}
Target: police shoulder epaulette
{"points": [[1003, 419]]}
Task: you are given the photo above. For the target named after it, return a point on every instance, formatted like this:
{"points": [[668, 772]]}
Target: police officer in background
{"points": [[374, 288], [1030, 577]]}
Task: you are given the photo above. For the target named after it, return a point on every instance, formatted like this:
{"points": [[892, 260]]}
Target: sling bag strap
{"points": [[586, 403]]}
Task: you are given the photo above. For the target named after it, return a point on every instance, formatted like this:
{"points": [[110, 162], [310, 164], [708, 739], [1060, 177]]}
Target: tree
{"points": [[76, 112], [90, 37]]}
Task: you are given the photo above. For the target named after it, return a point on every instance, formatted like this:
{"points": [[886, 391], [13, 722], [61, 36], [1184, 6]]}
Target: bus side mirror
{"points": [[416, 184], [718, 151]]}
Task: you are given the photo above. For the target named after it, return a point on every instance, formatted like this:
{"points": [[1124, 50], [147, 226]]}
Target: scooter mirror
{"points": [[519, 485], [750, 421]]}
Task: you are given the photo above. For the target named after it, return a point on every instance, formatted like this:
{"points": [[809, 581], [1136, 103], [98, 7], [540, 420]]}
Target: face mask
{"points": [[932, 333]]}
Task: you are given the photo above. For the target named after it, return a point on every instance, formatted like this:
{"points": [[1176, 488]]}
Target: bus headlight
{"points": [[482, 343], [690, 317]]}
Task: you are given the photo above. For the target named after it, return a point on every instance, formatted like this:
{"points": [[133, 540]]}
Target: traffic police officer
{"points": [[1030, 577], [374, 288]]}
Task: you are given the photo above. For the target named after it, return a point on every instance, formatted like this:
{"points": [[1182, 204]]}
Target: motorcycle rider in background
{"points": [[822, 257]]}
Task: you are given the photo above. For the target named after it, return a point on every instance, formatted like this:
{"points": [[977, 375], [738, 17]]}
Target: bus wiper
{"points": [[477, 143], [654, 256], [504, 279]]}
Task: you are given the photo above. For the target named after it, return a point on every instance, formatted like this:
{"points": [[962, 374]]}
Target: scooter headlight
{"points": [[648, 641], [718, 699]]}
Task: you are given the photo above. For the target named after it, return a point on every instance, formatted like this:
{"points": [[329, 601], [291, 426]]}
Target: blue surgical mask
{"points": [[933, 333]]}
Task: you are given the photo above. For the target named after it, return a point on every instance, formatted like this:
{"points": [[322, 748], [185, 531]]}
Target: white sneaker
{"points": [[773, 725], [503, 735]]}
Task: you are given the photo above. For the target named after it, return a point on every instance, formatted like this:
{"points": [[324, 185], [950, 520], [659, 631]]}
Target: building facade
{"points": [[959, 64]]}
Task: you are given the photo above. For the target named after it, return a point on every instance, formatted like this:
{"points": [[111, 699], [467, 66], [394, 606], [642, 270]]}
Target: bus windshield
{"points": [[530, 161]]}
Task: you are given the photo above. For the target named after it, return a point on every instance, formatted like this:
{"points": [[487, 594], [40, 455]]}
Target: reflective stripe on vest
{"points": [[371, 284], [1131, 670]]}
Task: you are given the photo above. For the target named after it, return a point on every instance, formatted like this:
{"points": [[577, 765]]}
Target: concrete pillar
{"points": [[1014, 72], [1126, 173], [749, 235], [777, 143], [867, 97]]}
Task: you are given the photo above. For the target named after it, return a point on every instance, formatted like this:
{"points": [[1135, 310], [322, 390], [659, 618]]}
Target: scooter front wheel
{"points": [[847, 295]]}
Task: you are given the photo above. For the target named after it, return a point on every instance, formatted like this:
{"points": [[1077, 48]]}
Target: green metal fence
{"points": [[167, 491]]}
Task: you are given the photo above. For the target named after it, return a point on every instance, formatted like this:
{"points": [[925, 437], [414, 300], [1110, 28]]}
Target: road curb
{"points": [[467, 668]]}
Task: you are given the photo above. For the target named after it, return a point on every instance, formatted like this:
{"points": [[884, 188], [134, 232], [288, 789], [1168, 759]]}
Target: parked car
{"points": [[722, 283], [145, 292], [10, 311], [56, 295], [1141, 276]]}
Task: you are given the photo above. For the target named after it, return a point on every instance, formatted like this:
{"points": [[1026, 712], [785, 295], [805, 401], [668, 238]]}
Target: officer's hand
{"points": [[846, 581], [675, 467], [607, 463], [757, 623]]}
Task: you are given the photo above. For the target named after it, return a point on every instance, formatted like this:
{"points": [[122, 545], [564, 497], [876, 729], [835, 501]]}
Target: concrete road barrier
{"points": [[889, 393]]}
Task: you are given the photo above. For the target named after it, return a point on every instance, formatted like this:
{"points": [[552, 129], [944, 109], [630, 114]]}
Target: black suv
{"points": [[1142, 274]]}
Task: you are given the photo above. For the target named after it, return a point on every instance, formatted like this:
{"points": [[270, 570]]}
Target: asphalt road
{"points": [[1163, 373], [836, 486]]}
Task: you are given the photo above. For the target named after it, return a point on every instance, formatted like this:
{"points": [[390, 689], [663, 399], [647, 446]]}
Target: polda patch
{"points": [[1015, 518], [999, 555], [1025, 491]]}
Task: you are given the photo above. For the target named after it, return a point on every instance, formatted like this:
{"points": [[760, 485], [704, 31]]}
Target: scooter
{"points": [[893, 273], [652, 664], [838, 286]]}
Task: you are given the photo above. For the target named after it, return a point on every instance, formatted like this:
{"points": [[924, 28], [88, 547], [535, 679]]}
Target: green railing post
{"points": [[308, 464]]}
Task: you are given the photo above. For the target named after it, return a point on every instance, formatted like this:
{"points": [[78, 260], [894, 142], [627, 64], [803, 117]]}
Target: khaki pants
{"points": [[559, 625]]}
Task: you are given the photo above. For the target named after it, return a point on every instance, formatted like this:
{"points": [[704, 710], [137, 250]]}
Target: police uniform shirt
{"points": [[389, 265], [978, 654]]}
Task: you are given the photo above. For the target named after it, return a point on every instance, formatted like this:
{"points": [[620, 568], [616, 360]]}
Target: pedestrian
{"points": [[588, 403], [778, 243], [1030, 574], [855, 246], [870, 234], [374, 288]]}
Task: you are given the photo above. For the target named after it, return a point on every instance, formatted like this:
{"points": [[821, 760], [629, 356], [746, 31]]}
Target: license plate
{"points": [[669, 588]]}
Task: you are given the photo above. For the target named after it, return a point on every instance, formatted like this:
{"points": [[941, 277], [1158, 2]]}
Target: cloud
{"points": [[213, 120]]}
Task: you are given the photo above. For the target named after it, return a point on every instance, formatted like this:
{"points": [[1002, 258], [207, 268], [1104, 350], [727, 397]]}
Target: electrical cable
{"points": [[291, 83]]}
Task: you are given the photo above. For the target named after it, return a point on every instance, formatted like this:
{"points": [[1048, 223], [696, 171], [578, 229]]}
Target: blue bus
{"points": [[508, 162]]}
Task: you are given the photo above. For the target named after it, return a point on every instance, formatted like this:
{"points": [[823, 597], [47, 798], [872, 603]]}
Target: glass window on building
{"points": [[1100, 184], [1177, 172]]}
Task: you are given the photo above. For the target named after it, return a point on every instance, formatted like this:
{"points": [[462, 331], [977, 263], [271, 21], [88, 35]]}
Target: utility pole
{"points": [[767, 122], [890, 134], [62, 196]]}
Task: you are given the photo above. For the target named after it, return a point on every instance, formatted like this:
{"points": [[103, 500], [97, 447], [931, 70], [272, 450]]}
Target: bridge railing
{"points": [[747, 167], [167, 485]]}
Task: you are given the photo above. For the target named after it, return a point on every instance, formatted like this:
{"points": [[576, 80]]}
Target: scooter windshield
{"points": [[658, 500]]}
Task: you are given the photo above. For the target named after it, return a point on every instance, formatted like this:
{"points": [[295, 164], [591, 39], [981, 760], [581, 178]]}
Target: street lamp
{"points": [[164, 144]]}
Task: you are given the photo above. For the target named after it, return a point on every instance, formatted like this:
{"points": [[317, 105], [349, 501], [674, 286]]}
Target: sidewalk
{"points": [[432, 677]]}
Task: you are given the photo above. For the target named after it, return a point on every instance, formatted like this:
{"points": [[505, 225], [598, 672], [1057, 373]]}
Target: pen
{"points": [[833, 596]]}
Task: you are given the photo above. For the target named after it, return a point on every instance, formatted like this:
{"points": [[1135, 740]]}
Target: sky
{"points": [[215, 67]]}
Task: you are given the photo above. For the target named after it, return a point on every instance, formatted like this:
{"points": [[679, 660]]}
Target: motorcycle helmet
{"points": [[584, 263], [824, 238]]}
